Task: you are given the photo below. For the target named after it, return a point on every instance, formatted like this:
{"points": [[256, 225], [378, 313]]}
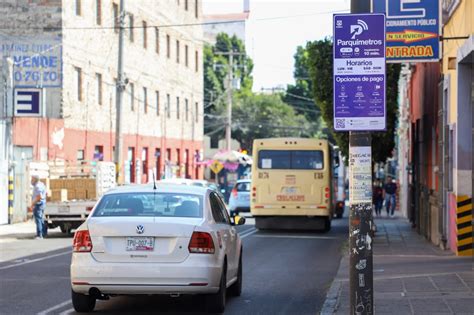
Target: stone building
{"points": [[162, 107]]}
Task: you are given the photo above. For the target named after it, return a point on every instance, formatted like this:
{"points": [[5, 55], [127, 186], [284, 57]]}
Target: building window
{"points": [[177, 107], [196, 8], [158, 163], [157, 40], [78, 7], [115, 8], [168, 101], [145, 100], [131, 24], [98, 77], [196, 112], [157, 96], [145, 161], [80, 155], [186, 55], [168, 154], [186, 108], [144, 34], [98, 12], [214, 142], [186, 4], [177, 51], [78, 78], [196, 61], [168, 46], [132, 96], [99, 152]]}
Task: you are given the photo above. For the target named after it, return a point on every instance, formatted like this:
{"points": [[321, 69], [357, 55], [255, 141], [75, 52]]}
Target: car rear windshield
{"points": [[243, 186], [296, 159], [150, 205]]}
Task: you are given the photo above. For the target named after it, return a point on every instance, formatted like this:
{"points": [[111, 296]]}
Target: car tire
{"points": [[216, 301], [82, 303], [236, 288]]}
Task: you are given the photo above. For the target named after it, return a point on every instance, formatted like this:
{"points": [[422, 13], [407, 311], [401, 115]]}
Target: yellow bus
{"points": [[291, 184]]}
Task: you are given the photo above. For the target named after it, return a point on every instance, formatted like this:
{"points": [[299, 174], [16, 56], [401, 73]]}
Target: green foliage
{"points": [[265, 116], [253, 116], [321, 67], [300, 95]]}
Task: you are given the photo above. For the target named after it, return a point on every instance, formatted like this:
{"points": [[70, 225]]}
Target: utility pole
{"points": [[230, 80], [7, 115], [360, 220], [228, 128], [118, 155]]}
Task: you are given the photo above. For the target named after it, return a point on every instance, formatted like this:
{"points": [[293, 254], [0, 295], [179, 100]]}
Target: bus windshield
{"points": [[291, 159]]}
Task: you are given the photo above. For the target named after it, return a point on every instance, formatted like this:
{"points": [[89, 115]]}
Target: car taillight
{"points": [[82, 242], [201, 243], [234, 192]]}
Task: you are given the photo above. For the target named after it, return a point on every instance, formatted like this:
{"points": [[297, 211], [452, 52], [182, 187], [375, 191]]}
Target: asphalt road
{"points": [[284, 273]]}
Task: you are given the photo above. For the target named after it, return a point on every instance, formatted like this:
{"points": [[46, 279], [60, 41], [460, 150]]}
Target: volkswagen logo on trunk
{"points": [[140, 229]]}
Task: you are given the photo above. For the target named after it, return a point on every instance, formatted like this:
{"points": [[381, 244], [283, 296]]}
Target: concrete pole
{"points": [[118, 156], [228, 129], [360, 219]]}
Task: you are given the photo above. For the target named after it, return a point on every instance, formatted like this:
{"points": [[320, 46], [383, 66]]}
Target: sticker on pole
{"points": [[359, 72], [360, 175]]}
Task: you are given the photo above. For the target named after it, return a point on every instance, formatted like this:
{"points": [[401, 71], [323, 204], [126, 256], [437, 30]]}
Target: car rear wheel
{"points": [[216, 302], [82, 303], [236, 288]]}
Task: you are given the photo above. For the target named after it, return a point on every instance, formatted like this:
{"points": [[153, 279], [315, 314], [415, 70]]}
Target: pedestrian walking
{"points": [[390, 190], [377, 196], [38, 205]]}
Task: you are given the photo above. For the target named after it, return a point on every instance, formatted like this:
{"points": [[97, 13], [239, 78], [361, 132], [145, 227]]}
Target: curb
{"points": [[331, 302]]}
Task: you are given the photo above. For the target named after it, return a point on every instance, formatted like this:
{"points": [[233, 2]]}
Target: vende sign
{"points": [[359, 72]]}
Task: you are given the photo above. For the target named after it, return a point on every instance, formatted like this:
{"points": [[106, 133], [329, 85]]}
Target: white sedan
{"points": [[164, 239]]}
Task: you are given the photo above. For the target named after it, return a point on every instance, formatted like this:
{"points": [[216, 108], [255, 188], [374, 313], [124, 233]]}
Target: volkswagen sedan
{"points": [[165, 239]]}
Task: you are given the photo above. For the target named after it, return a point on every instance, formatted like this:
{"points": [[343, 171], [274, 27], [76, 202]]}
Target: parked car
{"points": [[172, 240], [239, 200]]}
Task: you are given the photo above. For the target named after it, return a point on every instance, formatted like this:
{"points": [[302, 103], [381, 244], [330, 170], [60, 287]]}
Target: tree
{"points": [[216, 71], [265, 116], [321, 66]]}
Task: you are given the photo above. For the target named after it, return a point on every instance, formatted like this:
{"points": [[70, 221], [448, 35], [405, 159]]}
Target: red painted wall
{"points": [[41, 132]]}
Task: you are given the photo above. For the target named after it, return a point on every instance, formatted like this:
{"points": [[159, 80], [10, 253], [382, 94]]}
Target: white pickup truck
{"points": [[75, 194]]}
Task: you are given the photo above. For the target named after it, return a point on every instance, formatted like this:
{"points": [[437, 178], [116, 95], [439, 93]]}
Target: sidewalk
{"points": [[411, 276], [17, 241]]}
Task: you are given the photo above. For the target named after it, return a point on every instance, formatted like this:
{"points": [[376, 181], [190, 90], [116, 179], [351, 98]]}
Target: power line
{"points": [[114, 27]]}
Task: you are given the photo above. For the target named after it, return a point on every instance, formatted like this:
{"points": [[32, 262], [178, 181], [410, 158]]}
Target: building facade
{"points": [[436, 135], [163, 100]]}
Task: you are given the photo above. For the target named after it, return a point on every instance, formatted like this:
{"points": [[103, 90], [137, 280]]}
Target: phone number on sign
{"points": [[44, 76]]}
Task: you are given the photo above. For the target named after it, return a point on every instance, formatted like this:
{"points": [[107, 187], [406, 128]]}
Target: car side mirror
{"points": [[239, 220]]}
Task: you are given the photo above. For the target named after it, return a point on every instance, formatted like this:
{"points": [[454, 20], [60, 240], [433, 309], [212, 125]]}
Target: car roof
{"points": [[160, 187]]}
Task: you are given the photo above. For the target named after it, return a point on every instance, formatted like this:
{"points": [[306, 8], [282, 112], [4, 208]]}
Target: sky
{"points": [[272, 42]]}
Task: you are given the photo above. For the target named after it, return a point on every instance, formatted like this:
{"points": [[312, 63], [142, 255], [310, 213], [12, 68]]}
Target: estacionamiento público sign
{"points": [[359, 72], [413, 29]]}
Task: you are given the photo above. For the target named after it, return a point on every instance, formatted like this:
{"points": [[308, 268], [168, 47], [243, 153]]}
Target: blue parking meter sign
{"points": [[28, 102]]}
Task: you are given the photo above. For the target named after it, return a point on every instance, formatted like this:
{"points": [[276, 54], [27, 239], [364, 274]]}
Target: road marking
{"points": [[66, 312], [298, 236], [55, 307], [34, 260], [248, 233]]}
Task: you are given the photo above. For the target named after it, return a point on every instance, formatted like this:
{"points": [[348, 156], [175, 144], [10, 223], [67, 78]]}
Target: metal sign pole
{"points": [[360, 218]]}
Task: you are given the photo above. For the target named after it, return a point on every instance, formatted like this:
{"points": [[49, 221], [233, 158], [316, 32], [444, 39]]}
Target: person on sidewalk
{"points": [[377, 196], [390, 190], [38, 204]]}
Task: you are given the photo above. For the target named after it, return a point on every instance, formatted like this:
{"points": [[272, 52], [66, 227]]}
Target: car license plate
{"points": [[63, 209], [140, 243]]}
